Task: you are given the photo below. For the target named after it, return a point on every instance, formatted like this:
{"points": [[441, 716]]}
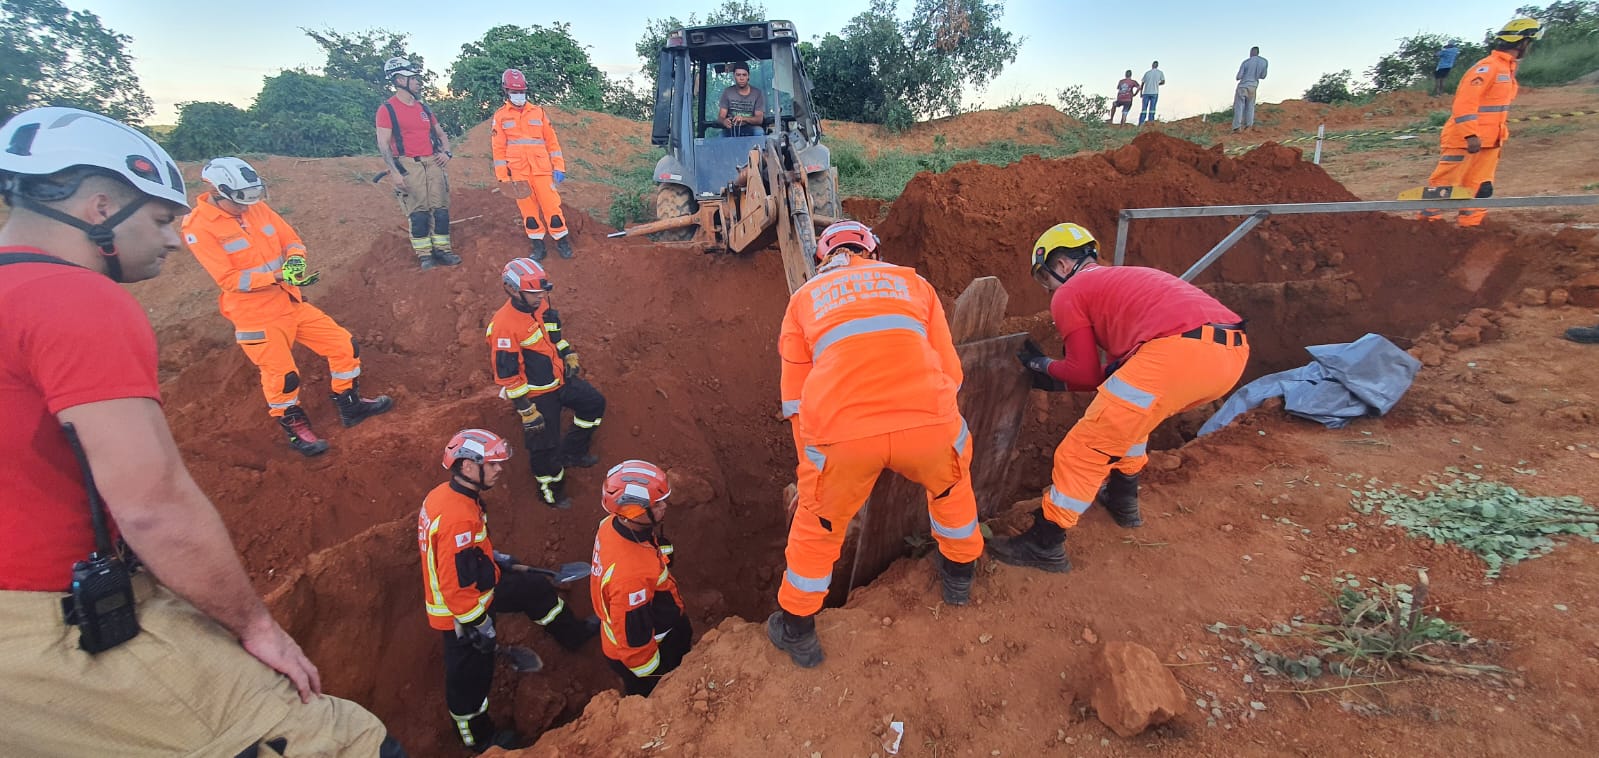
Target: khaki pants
{"points": [[183, 687], [428, 186]]}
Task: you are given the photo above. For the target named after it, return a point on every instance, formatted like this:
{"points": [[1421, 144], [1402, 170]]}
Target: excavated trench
{"points": [[681, 344]]}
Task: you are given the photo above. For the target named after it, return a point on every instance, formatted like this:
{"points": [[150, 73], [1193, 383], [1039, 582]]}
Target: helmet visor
{"points": [[245, 195]]}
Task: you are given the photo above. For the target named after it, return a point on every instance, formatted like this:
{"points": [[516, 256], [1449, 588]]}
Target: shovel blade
{"points": [[571, 572], [522, 660]]}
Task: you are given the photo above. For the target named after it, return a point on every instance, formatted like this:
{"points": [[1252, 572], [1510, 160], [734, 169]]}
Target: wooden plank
{"points": [[979, 310], [993, 400]]}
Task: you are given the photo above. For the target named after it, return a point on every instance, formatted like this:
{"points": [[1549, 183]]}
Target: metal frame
{"points": [[1259, 213]]}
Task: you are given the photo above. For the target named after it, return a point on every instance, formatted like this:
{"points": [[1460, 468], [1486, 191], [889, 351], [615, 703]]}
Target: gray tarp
{"points": [[1343, 382]]}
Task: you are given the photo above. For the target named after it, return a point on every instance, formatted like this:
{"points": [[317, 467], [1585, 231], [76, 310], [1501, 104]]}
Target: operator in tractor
{"points": [[742, 108], [465, 582], [527, 155], [645, 630], [1469, 148], [260, 263], [1170, 347], [538, 371], [416, 149], [869, 376]]}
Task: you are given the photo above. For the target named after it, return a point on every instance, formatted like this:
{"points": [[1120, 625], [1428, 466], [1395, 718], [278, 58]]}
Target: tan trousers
{"points": [[183, 687]]}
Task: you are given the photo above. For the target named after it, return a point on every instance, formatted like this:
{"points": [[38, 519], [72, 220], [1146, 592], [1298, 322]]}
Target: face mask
{"points": [[519, 99]]}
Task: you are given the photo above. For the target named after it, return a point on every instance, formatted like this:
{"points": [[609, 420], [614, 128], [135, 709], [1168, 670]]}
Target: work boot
{"points": [[586, 460], [446, 258], [301, 437], [426, 261], [1042, 546], [564, 248], [353, 409], [571, 632], [504, 738], [1587, 335], [795, 635], [957, 580], [1120, 498], [538, 250]]}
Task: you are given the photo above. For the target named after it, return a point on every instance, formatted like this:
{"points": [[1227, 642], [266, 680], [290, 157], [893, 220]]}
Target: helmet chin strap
{"points": [[480, 485], [103, 234], [1077, 266]]}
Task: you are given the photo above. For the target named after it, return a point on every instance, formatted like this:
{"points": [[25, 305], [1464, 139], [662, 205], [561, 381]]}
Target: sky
{"points": [[187, 50]]}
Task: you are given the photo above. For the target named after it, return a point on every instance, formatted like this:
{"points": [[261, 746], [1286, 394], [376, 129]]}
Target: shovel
{"points": [[566, 574], [523, 660]]}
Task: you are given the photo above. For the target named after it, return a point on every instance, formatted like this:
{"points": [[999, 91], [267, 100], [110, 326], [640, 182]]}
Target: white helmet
{"points": [[235, 180], [42, 141], [398, 66]]}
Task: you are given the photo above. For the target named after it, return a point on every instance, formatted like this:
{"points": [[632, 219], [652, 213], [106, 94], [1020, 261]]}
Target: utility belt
{"points": [[399, 162], [1221, 334]]}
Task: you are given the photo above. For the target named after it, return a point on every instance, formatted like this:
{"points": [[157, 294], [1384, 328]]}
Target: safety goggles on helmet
{"points": [[841, 233], [235, 180], [398, 67], [477, 445], [1520, 29], [1071, 239], [526, 275], [632, 487]]}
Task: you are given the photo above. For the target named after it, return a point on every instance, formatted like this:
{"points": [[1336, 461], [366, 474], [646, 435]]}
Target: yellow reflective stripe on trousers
{"points": [[463, 724], [807, 583], [560, 605], [584, 423], [351, 374], [649, 667]]}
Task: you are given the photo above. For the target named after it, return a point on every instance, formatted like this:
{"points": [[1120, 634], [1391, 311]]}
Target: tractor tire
{"points": [[672, 201], [822, 187]]}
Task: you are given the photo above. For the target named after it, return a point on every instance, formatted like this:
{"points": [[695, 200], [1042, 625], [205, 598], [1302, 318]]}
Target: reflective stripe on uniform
{"points": [[533, 339], [560, 605], [351, 374], [1465, 118], [961, 439], [236, 245], [807, 584], [585, 423], [246, 336], [1118, 387], [649, 667], [463, 724], [1451, 159], [290, 403], [1060, 500], [524, 141], [265, 268], [816, 457], [1493, 108], [535, 122], [541, 387], [867, 325], [518, 391], [556, 154], [563, 346], [1137, 450], [502, 163], [790, 407], [269, 230], [957, 533]]}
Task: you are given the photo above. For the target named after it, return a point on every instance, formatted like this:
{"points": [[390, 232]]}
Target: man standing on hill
{"points": [[172, 654], [1170, 347], [259, 262], [526, 157], [869, 380], [1125, 90], [1446, 63], [742, 108], [1469, 147], [1250, 72], [1149, 90], [416, 149]]}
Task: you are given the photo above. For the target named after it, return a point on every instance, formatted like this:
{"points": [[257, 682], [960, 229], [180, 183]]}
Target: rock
{"points": [[1134, 691], [1429, 354], [1558, 297], [690, 485], [1534, 296], [1585, 290], [1089, 636], [1506, 396], [1465, 336], [636, 430], [1457, 399], [1226, 527], [1165, 460], [1448, 412]]}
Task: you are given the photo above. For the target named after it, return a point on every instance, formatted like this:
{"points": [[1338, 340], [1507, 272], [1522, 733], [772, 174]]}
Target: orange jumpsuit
{"points": [[642, 623], [1482, 106], [869, 378], [244, 255], [526, 150], [458, 569]]}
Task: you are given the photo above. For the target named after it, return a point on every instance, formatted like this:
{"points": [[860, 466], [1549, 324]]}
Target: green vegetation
{"points": [[1493, 520], [634, 201], [886, 174], [50, 55]]}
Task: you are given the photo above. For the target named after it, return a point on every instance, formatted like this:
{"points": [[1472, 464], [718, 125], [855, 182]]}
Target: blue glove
{"points": [[560, 176]]}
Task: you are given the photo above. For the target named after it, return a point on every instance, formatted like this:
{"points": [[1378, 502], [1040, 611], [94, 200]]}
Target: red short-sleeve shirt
{"points": [[70, 337], [416, 126]]}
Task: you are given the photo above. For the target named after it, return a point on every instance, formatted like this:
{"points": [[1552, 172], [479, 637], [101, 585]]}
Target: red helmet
{"points": [[526, 275], [845, 233], [476, 445], [513, 80], [632, 486]]}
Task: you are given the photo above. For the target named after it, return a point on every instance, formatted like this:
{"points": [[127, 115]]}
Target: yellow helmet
{"points": [[1072, 239], [1520, 29]]}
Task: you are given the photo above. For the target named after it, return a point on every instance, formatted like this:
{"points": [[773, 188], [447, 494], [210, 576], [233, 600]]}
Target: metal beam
{"points": [[1224, 245], [1283, 209]]}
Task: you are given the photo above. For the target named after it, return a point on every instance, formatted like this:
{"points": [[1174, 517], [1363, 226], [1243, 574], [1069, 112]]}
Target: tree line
{"points": [[879, 68]]}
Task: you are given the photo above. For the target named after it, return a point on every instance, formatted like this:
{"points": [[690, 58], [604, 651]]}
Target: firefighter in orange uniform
{"points": [[260, 264], [869, 377], [527, 158], [645, 631], [538, 371], [1171, 347], [1476, 131], [465, 582]]}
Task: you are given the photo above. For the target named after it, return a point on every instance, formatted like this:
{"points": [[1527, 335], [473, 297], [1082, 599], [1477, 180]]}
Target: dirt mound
{"points": [[1027, 125], [1309, 271]]}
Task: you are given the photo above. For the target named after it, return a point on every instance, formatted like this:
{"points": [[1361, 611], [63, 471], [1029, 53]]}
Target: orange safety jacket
{"points": [[243, 254], [528, 350], [458, 569], [866, 350], [1482, 102], [524, 139], [634, 595]]}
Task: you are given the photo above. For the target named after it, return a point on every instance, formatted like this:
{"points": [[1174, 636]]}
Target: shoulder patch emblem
{"points": [[190, 238], [1482, 69], [502, 343], [463, 539], [1476, 80], [635, 599]]}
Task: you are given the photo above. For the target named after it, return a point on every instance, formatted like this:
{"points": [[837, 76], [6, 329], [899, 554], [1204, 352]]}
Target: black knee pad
{"points": [[530, 222], [441, 220], [556, 222], [419, 223], [355, 347], [1486, 190], [291, 381]]}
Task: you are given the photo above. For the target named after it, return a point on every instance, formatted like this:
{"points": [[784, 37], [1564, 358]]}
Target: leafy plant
{"points": [[1332, 88], [1493, 520], [50, 55]]}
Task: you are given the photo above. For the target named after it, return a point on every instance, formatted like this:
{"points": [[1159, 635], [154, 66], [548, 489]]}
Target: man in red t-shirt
{"points": [[94, 202], [416, 149], [1126, 90], [1170, 347]]}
